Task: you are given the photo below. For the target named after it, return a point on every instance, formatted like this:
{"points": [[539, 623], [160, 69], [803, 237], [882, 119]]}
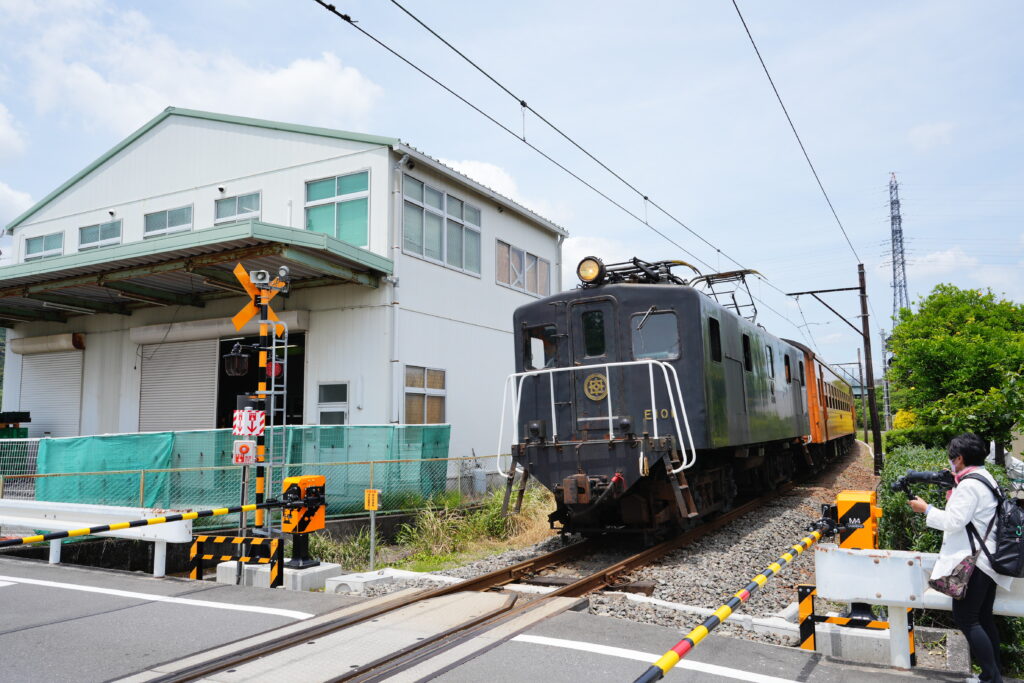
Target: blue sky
{"points": [[668, 94]]}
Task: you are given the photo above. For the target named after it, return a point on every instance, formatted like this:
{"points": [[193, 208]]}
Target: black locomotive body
{"points": [[601, 373]]}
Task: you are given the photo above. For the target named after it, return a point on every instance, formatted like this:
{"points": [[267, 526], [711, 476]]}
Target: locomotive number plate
{"points": [[595, 387]]}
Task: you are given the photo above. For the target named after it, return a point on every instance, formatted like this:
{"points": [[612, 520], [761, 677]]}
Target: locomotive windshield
{"points": [[655, 335], [540, 350]]}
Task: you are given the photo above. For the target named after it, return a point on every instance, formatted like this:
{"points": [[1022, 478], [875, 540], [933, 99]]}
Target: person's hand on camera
{"points": [[917, 505]]}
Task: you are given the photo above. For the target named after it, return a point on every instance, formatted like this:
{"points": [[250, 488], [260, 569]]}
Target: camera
{"points": [[943, 479]]}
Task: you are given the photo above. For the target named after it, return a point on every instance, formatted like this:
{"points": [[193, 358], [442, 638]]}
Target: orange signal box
{"points": [[312, 515], [858, 507]]}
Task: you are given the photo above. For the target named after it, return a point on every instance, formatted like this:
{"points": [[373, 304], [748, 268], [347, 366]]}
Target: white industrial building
{"points": [[405, 275]]}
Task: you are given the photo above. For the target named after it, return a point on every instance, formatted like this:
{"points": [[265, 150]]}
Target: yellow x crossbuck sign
{"points": [[250, 310]]}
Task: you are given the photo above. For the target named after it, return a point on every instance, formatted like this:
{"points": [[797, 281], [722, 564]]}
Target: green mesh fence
{"points": [[193, 470]]}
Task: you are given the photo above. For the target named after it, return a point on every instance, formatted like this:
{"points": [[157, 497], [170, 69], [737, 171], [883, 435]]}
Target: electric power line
{"points": [[793, 127], [351, 22]]}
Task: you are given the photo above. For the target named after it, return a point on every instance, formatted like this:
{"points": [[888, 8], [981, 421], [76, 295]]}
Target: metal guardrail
{"points": [[668, 374]]}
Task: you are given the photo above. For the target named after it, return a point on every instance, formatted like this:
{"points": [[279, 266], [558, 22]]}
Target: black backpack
{"points": [[1008, 557]]}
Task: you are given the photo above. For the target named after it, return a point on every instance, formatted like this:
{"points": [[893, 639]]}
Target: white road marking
{"points": [[150, 597], [5, 583], [649, 659]]}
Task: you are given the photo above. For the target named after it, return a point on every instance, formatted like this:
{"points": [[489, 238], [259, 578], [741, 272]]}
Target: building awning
{"points": [[186, 269]]}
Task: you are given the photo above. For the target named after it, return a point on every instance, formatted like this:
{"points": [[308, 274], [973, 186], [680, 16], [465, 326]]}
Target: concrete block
{"points": [[357, 583], [258, 576], [867, 646]]}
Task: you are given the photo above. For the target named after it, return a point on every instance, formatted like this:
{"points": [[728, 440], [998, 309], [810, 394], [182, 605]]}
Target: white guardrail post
{"points": [[897, 579]]}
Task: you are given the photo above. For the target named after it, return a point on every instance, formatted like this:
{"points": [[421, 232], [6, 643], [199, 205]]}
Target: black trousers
{"points": [[973, 616]]}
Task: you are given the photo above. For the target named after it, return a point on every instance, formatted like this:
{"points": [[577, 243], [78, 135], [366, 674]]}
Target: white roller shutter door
{"points": [[179, 386], [51, 390]]}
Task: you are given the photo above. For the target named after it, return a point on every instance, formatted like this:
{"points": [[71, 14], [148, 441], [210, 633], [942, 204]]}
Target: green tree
{"points": [[957, 360]]}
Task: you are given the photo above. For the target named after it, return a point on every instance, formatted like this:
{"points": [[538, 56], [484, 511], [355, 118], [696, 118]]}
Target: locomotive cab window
{"points": [[803, 380], [655, 335], [789, 371], [770, 356], [748, 361], [593, 332], [715, 339], [540, 349]]}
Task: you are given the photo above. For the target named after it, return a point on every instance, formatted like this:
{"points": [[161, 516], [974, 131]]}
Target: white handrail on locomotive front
{"points": [[550, 372]]}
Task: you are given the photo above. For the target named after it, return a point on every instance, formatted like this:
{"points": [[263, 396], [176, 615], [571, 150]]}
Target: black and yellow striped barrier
{"points": [[252, 551], [672, 657], [808, 620], [90, 531]]}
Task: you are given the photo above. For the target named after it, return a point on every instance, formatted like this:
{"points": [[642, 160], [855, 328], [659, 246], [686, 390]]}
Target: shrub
{"points": [[927, 436], [903, 419]]}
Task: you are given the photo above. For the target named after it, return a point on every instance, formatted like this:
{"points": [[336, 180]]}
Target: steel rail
{"points": [[494, 579], [389, 665]]}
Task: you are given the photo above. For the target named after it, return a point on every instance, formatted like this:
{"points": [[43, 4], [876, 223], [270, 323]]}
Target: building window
{"points": [[332, 403], [715, 338], [440, 227], [748, 361], [521, 270], [167, 222], [424, 395], [44, 246], [655, 336], [102, 235], [340, 207], [236, 208]]}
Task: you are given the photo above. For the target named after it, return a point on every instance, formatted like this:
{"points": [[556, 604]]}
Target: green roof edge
{"points": [[205, 236], [197, 114]]}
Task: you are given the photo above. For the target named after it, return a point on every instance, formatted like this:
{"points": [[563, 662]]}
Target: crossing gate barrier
{"points": [[247, 550], [808, 620]]}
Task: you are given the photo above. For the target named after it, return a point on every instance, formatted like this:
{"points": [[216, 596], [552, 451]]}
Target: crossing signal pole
{"points": [[865, 333]]}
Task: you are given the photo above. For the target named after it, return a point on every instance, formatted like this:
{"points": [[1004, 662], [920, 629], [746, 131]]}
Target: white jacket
{"points": [[971, 501]]}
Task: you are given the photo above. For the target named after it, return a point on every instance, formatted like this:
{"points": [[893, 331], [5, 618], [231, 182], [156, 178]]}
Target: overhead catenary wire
{"points": [[354, 24], [526, 107], [795, 133]]}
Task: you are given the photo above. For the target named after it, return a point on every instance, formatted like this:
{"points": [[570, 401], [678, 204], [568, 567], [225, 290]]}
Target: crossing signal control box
{"points": [[305, 504], [858, 517]]}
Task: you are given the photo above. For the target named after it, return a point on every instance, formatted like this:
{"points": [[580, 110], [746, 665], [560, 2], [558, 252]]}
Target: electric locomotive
{"points": [[645, 405]]}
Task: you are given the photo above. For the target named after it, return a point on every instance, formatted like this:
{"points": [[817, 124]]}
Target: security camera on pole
{"points": [[250, 420]]}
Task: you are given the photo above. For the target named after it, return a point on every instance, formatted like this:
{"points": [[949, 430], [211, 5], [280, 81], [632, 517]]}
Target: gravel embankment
{"points": [[711, 570]]}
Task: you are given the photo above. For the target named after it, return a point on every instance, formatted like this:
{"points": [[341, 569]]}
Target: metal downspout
{"points": [[394, 375]]}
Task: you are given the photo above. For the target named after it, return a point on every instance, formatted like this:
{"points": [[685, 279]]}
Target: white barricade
{"points": [[896, 579], [67, 516]]}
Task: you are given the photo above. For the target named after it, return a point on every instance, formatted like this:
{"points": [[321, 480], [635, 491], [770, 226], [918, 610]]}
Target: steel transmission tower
{"points": [[899, 259]]}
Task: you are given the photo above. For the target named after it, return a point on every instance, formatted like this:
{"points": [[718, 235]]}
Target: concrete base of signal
{"points": [[258, 575]]}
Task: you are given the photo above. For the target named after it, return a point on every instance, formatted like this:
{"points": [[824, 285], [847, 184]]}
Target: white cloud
{"points": [[116, 71], [11, 141], [502, 182], [928, 136], [12, 204], [939, 263]]}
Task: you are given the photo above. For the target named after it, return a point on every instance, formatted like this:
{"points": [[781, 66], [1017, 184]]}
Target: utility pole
{"points": [[863, 396], [886, 407], [865, 333]]}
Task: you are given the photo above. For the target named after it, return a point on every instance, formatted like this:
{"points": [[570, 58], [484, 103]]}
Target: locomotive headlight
{"points": [[590, 270]]}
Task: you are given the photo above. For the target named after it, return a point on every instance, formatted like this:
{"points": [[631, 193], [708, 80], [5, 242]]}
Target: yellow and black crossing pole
{"points": [[149, 521], [823, 527]]}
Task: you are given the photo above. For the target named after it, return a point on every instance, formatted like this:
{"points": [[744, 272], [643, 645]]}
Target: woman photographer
{"points": [[970, 502]]}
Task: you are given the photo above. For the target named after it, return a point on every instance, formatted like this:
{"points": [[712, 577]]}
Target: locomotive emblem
{"points": [[595, 387]]}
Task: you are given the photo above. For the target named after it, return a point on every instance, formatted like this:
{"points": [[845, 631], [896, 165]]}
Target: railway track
{"points": [[428, 647]]}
